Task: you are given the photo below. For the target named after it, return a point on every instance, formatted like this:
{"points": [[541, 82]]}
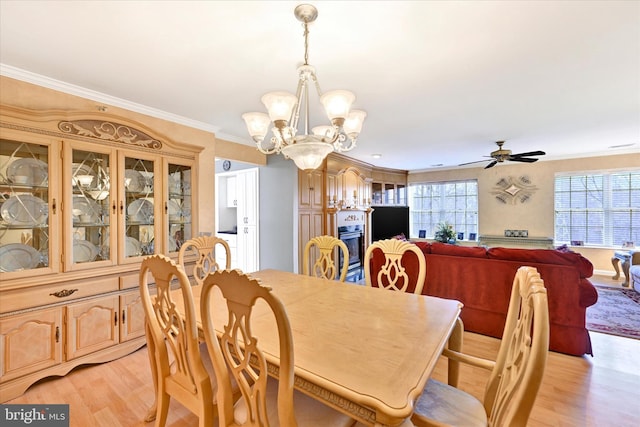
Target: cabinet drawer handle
{"points": [[57, 333], [63, 293]]}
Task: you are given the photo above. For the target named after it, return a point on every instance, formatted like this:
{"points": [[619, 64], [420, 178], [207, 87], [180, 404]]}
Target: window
{"points": [[454, 202], [598, 209]]}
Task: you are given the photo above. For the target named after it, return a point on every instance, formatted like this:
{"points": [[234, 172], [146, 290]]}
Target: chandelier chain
{"points": [[306, 43]]}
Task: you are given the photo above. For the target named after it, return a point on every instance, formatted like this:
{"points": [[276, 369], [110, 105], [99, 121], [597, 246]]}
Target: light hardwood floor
{"points": [[576, 391]]}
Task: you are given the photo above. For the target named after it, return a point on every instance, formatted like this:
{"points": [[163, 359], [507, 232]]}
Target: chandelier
{"points": [[307, 150]]}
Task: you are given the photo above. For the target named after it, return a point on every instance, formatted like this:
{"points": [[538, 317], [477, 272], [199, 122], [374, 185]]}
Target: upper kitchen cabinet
{"points": [[389, 187]]}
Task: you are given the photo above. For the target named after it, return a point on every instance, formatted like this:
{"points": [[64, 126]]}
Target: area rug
{"points": [[617, 312]]}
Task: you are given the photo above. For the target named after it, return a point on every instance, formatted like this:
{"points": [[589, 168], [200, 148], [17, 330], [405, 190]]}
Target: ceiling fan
{"points": [[500, 155]]}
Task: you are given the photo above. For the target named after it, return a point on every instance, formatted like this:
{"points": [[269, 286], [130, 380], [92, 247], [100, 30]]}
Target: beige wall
{"points": [[537, 214]]}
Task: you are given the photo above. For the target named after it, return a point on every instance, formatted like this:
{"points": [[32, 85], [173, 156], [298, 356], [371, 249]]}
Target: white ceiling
{"points": [[440, 80]]}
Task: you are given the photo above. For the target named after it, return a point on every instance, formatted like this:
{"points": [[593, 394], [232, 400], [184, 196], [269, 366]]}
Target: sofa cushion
{"points": [[455, 250], [544, 256]]}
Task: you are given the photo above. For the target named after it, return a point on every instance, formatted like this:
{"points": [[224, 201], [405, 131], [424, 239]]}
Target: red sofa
{"points": [[481, 279]]}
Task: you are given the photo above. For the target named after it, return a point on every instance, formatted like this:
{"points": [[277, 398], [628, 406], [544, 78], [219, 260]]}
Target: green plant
{"points": [[444, 232]]}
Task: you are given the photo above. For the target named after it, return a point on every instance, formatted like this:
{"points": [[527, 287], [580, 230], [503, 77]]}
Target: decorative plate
{"points": [[16, 256], [134, 181], [83, 206], [84, 251], [24, 209], [140, 210], [132, 247], [28, 171]]}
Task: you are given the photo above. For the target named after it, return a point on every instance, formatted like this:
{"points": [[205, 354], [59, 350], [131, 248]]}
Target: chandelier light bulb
{"points": [[257, 124], [279, 105], [337, 103], [353, 124]]}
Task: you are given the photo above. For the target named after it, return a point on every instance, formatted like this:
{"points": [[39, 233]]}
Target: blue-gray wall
{"points": [[278, 222]]}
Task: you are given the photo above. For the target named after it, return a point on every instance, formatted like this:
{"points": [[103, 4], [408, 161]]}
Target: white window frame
{"points": [[567, 225], [463, 216]]}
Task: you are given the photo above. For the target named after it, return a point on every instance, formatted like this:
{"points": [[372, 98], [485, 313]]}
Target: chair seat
{"points": [[309, 412], [440, 404]]}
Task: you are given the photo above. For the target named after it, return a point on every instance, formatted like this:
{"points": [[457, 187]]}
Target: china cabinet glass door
{"points": [[91, 207], [28, 207], [140, 207], [178, 208]]}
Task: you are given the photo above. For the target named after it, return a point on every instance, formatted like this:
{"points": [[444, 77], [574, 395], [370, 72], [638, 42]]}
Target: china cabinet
{"points": [[83, 198]]}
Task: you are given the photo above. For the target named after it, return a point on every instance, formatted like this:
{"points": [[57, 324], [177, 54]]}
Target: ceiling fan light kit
{"points": [[308, 149], [501, 155]]}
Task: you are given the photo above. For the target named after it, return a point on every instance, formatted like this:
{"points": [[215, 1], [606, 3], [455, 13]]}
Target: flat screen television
{"points": [[389, 221]]}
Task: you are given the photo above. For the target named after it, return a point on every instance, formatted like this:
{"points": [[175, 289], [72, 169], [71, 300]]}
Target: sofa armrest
{"points": [[635, 258], [588, 293]]}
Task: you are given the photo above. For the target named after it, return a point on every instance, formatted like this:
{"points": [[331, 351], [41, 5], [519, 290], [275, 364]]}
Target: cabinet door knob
{"points": [[53, 205]]}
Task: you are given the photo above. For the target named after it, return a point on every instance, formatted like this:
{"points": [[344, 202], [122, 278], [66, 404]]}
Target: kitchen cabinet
{"points": [[247, 250], [83, 198], [232, 192], [311, 189], [221, 257], [385, 193], [242, 217]]}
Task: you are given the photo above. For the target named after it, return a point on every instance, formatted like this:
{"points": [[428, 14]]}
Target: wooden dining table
{"points": [[364, 351]]}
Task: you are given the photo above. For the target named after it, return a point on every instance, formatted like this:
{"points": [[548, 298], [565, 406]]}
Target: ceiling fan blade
{"points": [[530, 153], [523, 159], [492, 164], [470, 163]]}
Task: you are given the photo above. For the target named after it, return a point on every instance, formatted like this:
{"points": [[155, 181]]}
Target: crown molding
{"points": [[60, 86]]}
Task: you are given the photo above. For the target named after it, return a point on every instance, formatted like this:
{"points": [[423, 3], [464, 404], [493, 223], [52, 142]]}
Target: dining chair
{"points": [[324, 266], [235, 353], [205, 247], [179, 361], [515, 376], [397, 265]]}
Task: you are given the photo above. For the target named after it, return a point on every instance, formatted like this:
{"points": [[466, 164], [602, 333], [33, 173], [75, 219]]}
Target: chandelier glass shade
{"points": [[306, 149]]}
